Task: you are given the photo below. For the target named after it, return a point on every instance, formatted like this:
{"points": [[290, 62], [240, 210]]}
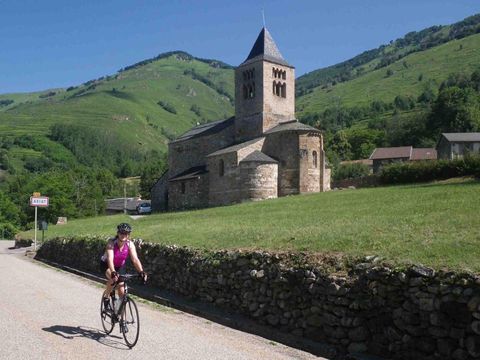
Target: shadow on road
{"points": [[71, 332]]}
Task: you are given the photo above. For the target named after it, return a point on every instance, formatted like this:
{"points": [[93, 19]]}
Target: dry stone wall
{"points": [[358, 305]]}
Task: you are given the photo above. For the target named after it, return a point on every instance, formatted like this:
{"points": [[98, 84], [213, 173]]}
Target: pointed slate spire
{"points": [[266, 49]]}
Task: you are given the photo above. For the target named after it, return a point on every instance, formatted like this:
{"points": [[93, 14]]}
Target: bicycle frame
{"points": [[122, 279]]}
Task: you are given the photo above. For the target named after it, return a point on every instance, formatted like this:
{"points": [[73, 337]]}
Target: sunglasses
{"points": [[124, 233]]}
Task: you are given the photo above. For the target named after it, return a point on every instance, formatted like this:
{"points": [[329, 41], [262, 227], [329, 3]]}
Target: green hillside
{"points": [[141, 107], [409, 76], [384, 55], [403, 93], [429, 223]]}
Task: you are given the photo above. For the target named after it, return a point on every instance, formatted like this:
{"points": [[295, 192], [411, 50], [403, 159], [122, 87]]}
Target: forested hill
{"points": [[385, 55], [118, 121], [405, 93]]}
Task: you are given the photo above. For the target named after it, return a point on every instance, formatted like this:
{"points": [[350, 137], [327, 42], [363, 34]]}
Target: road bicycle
{"points": [[125, 313]]}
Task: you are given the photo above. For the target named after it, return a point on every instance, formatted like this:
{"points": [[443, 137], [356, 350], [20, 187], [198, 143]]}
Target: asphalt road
{"points": [[46, 313]]}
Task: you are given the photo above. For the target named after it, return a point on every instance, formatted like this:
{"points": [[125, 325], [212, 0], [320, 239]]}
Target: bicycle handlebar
{"points": [[125, 278]]}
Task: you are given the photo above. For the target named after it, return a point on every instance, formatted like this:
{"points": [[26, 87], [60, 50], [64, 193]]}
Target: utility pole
{"points": [[36, 225], [125, 197]]}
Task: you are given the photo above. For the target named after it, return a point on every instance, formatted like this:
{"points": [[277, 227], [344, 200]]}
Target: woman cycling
{"points": [[114, 258]]}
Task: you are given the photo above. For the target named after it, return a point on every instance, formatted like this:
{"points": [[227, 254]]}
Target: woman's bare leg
{"points": [[108, 285]]}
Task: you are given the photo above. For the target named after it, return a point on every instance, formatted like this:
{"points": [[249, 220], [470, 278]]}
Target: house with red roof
{"points": [[389, 155]]}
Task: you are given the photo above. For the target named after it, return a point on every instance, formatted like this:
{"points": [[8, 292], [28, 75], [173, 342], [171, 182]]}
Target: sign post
{"points": [[37, 201]]}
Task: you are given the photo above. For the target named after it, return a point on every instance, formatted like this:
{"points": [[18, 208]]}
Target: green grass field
{"points": [[435, 224]]}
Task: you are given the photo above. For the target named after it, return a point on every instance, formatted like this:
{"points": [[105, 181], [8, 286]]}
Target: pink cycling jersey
{"points": [[120, 256]]}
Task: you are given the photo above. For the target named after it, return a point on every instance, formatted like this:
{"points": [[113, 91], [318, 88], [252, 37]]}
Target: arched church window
{"points": [[274, 87], [221, 168], [251, 91], [284, 75], [315, 159], [245, 92], [284, 90]]}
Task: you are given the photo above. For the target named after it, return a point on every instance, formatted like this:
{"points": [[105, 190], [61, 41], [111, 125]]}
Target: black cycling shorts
{"points": [[104, 267]]}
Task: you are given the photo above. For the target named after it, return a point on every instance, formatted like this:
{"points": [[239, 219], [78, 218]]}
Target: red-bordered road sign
{"points": [[41, 201]]}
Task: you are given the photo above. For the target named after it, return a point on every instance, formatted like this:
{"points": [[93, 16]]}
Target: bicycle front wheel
{"points": [[130, 322], [106, 315]]}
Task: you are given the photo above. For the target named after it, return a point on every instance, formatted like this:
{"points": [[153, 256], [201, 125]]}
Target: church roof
{"points": [[266, 49], [235, 147], [191, 173], [206, 129], [293, 125], [260, 157]]}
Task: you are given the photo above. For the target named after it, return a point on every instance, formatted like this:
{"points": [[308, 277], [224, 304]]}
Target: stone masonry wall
{"points": [[275, 106], [193, 196], [223, 189], [186, 154], [358, 305], [159, 193], [259, 181], [227, 189], [264, 110], [283, 147], [309, 145]]}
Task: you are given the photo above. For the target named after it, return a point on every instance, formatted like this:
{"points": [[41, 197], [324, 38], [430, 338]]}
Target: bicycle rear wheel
{"points": [[106, 315], [130, 322]]}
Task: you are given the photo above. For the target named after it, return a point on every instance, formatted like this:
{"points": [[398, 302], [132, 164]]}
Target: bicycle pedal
{"points": [[123, 327]]}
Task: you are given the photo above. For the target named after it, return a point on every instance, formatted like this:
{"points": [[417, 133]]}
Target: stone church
{"points": [[262, 152]]}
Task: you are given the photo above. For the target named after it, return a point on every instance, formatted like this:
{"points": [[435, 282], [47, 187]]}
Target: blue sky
{"points": [[58, 43]]}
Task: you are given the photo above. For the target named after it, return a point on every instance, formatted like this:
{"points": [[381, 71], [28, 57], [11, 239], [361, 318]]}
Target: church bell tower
{"points": [[264, 90]]}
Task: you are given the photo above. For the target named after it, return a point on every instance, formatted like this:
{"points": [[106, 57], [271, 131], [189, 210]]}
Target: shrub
{"points": [[46, 95], [196, 110], [351, 171], [6, 102], [167, 107], [7, 230], [421, 171], [403, 102]]}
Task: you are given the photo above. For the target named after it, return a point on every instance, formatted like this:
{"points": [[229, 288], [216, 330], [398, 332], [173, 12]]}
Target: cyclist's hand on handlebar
{"points": [[114, 276], [143, 276]]}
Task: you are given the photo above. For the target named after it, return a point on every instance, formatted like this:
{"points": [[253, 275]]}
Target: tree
{"points": [[428, 96], [9, 212], [455, 110], [475, 80], [341, 146], [127, 169], [403, 102], [363, 141], [150, 174]]}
